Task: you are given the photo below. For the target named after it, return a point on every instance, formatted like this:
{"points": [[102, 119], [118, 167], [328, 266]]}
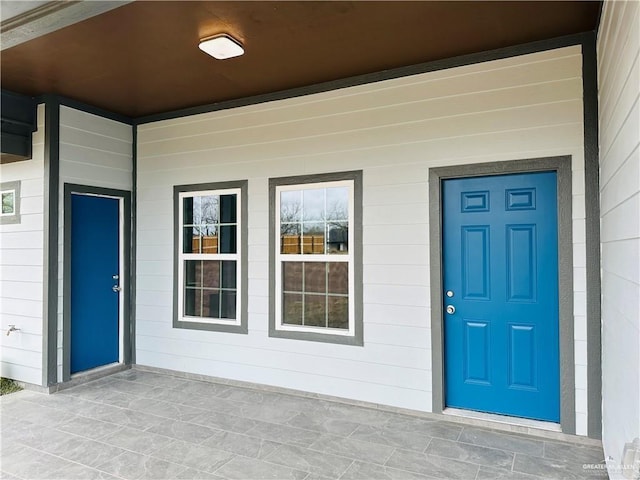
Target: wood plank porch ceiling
{"points": [[143, 58]]}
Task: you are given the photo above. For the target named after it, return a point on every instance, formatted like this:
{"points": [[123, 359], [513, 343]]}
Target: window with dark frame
{"points": [[314, 291], [10, 202], [209, 251]]}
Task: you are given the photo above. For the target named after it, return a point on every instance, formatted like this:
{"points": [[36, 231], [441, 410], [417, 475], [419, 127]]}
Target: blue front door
{"points": [[95, 250], [500, 279]]}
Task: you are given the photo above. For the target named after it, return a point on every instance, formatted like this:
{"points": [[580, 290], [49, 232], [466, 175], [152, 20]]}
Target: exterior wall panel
{"points": [[22, 268], [619, 98], [94, 151], [522, 107]]}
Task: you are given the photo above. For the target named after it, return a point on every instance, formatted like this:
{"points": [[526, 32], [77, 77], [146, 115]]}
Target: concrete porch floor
{"points": [[141, 424]]}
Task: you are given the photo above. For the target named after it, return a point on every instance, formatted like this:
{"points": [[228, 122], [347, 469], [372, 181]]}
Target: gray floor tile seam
{"points": [[283, 424], [148, 455], [566, 466], [345, 470], [231, 458], [120, 408], [42, 452], [484, 447], [4, 474], [509, 434], [427, 446], [266, 460], [286, 394], [548, 443], [351, 458], [427, 455], [63, 477], [103, 442], [218, 394], [513, 462], [478, 465], [112, 423]]}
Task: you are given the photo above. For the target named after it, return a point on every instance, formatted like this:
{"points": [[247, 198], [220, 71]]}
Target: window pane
{"points": [[313, 205], [187, 210], [8, 203], [192, 302], [228, 209], [192, 273], [338, 238], [290, 238], [315, 277], [338, 277], [292, 276], [337, 204], [191, 240], [209, 238], [292, 309], [228, 307], [228, 239], [209, 206], [291, 206], [229, 274], [338, 312], [315, 310], [313, 237], [210, 273], [211, 303]]}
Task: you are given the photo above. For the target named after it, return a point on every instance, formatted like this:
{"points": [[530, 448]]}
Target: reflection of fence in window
{"points": [[209, 244], [295, 244], [316, 294]]}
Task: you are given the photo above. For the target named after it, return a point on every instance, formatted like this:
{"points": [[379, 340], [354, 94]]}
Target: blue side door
{"points": [[500, 279], [95, 251]]}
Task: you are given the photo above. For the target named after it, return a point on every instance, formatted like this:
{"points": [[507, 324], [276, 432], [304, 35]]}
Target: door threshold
{"points": [[504, 419], [90, 375], [95, 370]]}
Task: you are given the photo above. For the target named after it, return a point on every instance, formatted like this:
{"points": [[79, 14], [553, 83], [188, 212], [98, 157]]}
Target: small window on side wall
{"points": [[316, 258], [10, 196], [210, 271]]}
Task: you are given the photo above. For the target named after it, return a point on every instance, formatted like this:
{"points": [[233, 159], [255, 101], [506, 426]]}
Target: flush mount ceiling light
{"points": [[221, 46]]}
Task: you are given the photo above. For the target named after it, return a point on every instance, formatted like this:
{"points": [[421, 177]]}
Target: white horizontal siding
{"points": [[94, 151], [21, 268], [619, 98], [522, 107]]}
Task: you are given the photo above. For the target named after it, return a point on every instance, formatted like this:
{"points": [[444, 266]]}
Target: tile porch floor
{"points": [[139, 424]]}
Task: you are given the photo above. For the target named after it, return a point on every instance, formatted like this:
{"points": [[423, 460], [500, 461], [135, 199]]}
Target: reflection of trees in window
{"points": [[8, 203], [209, 229], [314, 221]]}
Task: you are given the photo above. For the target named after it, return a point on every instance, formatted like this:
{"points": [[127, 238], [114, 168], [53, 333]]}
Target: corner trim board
{"points": [[51, 202], [592, 226], [134, 242]]}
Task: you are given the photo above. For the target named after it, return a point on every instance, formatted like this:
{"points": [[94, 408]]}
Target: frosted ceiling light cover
{"points": [[221, 47]]}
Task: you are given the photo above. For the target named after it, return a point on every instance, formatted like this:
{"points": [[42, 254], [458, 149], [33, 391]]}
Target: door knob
{"points": [[451, 309], [116, 288]]}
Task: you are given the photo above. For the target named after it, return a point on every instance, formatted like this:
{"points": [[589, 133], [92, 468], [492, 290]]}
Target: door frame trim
{"points": [[562, 166], [125, 261]]}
